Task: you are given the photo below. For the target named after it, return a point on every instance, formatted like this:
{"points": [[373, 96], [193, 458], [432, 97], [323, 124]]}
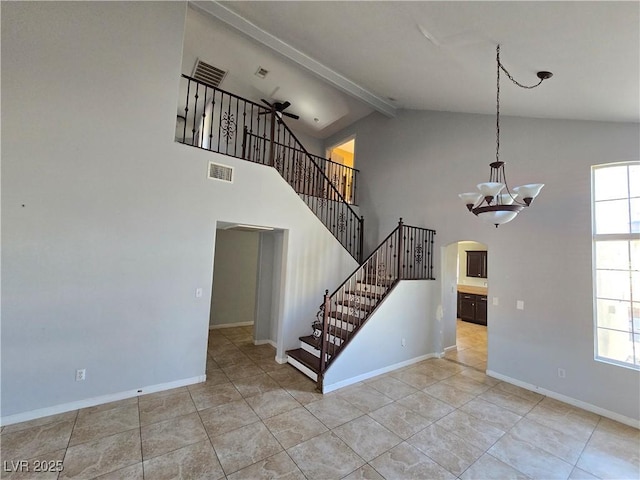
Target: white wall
{"points": [[235, 276], [377, 348], [107, 224], [463, 279], [415, 165]]}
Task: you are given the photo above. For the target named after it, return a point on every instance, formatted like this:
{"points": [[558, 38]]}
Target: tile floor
{"points": [[471, 340], [256, 419]]}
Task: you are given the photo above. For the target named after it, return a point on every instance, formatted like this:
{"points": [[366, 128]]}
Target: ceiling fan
{"points": [[279, 108]]}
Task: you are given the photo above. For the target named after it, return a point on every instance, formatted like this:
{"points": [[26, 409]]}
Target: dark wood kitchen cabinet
{"points": [[477, 263], [472, 308]]}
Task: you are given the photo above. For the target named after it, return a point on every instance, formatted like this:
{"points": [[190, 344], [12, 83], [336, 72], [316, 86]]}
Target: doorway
{"points": [[245, 294], [341, 170], [465, 318]]}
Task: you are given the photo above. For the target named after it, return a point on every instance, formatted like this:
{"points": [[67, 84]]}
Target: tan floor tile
{"points": [[34, 441], [579, 474], [162, 437], [325, 456], [365, 472], [567, 420], [305, 392], [155, 408], [235, 372], [511, 402], [104, 423], [610, 456], [493, 414], [279, 466], [552, 441], [392, 387], [530, 460], [367, 437], [479, 377], [490, 468], [333, 411], [245, 446], [448, 450], [473, 430], [519, 392], [414, 379], [405, 462], [39, 422], [449, 394], [399, 419], [250, 386], [193, 462], [108, 406], [294, 427], [423, 404], [215, 377], [466, 384], [222, 419], [611, 427], [364, 397], [105, 455], [214, 395], [272, 403], [132, 472]]}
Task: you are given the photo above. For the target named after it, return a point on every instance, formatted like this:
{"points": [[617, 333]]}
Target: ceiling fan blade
{"points": [[285, 105], [265, 113], [295, 117], [271, 106]]}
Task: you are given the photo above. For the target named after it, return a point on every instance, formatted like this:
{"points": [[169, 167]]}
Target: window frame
{"points": [[604, 237]]}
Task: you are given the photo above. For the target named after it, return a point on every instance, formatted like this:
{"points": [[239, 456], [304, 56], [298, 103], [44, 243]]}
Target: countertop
{"points": [[472, 289]]}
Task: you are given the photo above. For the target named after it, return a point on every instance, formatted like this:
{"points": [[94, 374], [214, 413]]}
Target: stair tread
{"points": [[357, 305], [307, 359], [345, 317], [309, 340], [362, 293]]}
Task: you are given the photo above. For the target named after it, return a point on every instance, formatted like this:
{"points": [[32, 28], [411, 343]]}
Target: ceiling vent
{"points": [[261, 72], [208, 74], [219, 172]]}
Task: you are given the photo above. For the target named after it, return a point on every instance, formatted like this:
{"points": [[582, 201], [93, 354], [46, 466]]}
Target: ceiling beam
{"points": [[330, 76]]}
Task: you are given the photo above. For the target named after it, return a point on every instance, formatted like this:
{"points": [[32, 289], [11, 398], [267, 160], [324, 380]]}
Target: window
{"points": [[616, 254]]}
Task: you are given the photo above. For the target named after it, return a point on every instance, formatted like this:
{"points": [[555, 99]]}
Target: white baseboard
{"points": [[92, 402], [375, 373], [230, 325], [452, 347], [632, 422], [265, 342]]}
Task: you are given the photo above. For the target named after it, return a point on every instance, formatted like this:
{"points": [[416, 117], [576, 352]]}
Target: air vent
{"points": [[208, 74], [219, 172]]}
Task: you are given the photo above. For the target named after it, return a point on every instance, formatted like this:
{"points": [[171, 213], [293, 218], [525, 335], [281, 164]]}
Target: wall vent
{"points": [[208, 74], [219, 172]]}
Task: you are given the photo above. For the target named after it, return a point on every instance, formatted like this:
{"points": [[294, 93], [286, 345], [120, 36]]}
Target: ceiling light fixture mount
{"points": [[489, 204]]}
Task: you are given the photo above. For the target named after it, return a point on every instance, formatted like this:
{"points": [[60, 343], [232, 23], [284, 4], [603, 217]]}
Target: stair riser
{"points": [[351, 311], [312, 375], [365, 301], [313, 351], [340, 324]]}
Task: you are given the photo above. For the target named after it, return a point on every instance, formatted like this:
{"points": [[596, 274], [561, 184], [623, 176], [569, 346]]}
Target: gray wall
{"points": [[235, 270], [107, 224], [414, 166]]}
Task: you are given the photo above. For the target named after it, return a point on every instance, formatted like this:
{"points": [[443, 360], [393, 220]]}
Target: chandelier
{"points": [[495, 203]]}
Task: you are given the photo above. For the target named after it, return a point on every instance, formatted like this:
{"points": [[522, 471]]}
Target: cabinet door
{"points": [[476, 264], [467, 308], [481, 309]]}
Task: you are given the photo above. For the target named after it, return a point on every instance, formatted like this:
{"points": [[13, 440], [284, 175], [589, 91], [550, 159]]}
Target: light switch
{"points": [[520, 305], [495, 300]]}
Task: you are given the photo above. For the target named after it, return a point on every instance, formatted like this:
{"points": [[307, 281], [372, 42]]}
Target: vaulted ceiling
{"points": [[338, 61]]}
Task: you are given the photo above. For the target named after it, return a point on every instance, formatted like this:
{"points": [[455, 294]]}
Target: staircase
{"points": [[219, 121], [406, 254]]}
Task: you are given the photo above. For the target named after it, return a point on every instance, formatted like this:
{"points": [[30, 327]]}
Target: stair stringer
{"points": [[407, 312]]}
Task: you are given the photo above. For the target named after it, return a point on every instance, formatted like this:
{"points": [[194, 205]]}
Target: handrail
{"points": [[405, 254], [220, 121]]}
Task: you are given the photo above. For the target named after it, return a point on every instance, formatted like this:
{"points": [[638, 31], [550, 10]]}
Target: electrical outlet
{"points": [[81, 374], [198, 292], [562, 373], [495, 301], [403, 342], [520, 304]]}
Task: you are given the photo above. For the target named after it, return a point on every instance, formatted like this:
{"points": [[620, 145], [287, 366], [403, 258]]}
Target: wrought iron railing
{"points": [[222, 122], [406, 254]]}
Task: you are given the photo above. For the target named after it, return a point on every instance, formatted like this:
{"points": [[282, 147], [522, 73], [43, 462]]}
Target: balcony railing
{"points": [[225, 123]]}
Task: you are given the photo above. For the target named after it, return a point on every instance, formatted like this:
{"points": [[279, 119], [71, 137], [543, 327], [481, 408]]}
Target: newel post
{"points": [[400, 247], [361, 245], [324, 340]]}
